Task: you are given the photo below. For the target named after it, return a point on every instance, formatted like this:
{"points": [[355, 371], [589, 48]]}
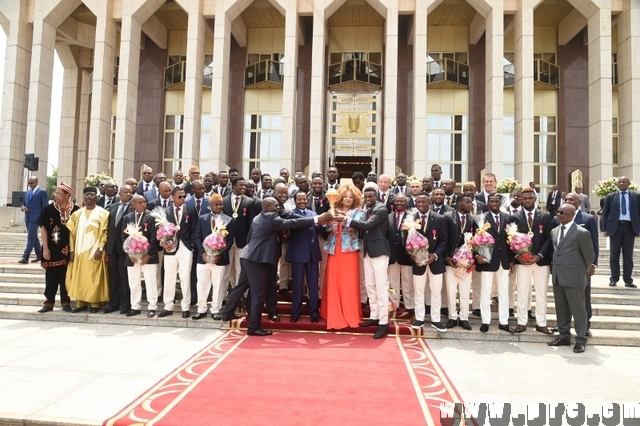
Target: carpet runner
{"points": [[297, 378]]}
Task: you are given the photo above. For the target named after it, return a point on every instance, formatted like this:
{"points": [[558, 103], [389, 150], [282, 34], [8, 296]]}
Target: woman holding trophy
{"points": [[341, 291]]}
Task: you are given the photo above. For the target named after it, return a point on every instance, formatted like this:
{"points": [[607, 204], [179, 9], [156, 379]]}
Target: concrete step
{"points": [[615, 299], [23, 288], [31, 268], [23, 278]]}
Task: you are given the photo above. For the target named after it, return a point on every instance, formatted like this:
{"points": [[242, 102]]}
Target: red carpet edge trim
{"points": [[170, 390]]}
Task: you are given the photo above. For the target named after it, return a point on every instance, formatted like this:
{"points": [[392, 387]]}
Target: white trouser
{"points": [[512, 290], [322, 265], [540, 275], [486, 280], [284, 273], [401, 275], [178, 263], [443, 295], [475, 289], [135, 274], [159, 271], [460, 285], [210, 277], [420, 285], [363, 285], [232, 273], [375, 271]]}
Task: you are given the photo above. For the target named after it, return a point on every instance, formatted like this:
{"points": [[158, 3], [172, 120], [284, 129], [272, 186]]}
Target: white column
{"points": [[317, 151], [194, 74], [70, 115], [418, 164], [220, 81], [102, 89], [15, 97], [600, 99], [628, 90], [290, 89], [390, 90], [524, 92], [126, 114], [494, 83], [81, 169]]}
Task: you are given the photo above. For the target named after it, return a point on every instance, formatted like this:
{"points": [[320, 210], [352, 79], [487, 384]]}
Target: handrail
{"points": [[446, 69], [355, 70], [266, 70]]}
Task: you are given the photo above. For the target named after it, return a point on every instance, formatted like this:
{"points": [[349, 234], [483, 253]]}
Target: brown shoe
{"points": [[544, 330], [520, 328]]}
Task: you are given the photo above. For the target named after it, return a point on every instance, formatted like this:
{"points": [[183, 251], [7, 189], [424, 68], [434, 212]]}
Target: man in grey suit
{"points": [[572, 259]]}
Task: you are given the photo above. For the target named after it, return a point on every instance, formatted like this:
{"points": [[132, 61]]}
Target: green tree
{"points": [[52, 183]]}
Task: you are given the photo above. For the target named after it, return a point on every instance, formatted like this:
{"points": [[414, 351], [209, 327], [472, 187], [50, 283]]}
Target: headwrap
{"points": [[90, 189], [66, 188]]}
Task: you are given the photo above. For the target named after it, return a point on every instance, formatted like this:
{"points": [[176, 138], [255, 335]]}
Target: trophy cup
{"points": [[332, 195]]}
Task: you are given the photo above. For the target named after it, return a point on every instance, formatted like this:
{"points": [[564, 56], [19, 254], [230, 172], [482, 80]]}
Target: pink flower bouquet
{"points": [[215, 243], [463, 256], [483, 242], [136, 245], [519, 243], [417, 245], [167, 232]]}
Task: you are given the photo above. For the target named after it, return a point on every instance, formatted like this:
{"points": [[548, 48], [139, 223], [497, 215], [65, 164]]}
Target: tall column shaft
{"points": [[102, 89], [390, 85], [81, 166], [70, 116], [628, 89], [290, 90], [600, 99], [418, 164], [524, 93], [317, 152], [15, 99], [193, 88], [494, 100], [126, 115]]}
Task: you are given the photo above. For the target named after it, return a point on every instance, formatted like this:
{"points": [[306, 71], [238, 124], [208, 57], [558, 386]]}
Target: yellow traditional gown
{"points": [[87, 279]]}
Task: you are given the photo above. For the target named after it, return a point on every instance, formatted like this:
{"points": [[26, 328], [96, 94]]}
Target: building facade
{"points": [[540, 90]]}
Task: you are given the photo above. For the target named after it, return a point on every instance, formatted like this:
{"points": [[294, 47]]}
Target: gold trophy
{"points": [[332, 195]]}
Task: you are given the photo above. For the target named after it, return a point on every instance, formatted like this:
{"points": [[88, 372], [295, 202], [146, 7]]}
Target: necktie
{"points": [[107, 203], [138, 215], [237, 200], [178, 215], [448, 201], [398, 220], [497, 221], [515, 211], [562, 228], [436, 184], [197, 206], [553, 198], [382, 197], [423, 220], [264, 193], [530, 214], [463, 221], [146, 187], [29, 195], [164, 204], [437, 210], [623, 203], [402, 189], [119, 213]]}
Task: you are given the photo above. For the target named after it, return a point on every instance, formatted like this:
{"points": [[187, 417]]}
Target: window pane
{"points": [[509, 123], [263, 121], [551, 149], [276, 122], [433, 122], [275, 147], [433, 145]]}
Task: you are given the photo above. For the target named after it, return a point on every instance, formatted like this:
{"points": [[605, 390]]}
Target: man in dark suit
{"points": [[35, 200], [119, 293], [179, 257], [553, 200], [428, 276], [197, 200], [537, 224], [318, 202], [376, 250], [223, 187], [489, 184], [385, 194], [164, 199], [260, 256], [332, 179], [266, 187], [399, 271], [401, 184], [438, 206], [304, 255], [499, 266], [450, 197], [146, 184], [572, 259], [478, 206], [194, 174], [620, 221], [148, 265], [110, 196]]}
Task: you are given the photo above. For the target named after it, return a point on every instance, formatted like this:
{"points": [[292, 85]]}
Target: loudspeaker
{"points": [[17, 198], [31, 162]]}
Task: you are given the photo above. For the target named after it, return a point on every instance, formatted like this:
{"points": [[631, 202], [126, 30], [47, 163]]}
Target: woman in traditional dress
{"points": [[341, 291]]}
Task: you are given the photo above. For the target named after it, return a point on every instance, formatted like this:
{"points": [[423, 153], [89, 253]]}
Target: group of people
{"points": [[342, 261]]}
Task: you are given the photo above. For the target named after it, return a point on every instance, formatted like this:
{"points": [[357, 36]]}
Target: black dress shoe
{"points": [[293, 319], [531, 314], [232, 317], [133, 312], [629, 285], [151, 314], [259, 332], [199, 316], [578, 348], [109, 309], [94, 310], [274, 318], [560, 342], [465, 325], [369, 323], [216, 317], [588, 333], [80, 309], [381, 331], [484, 328], [612, 283], [46, 309], [36, 260], [23, 261], [506, 328], [315, 319], [124, 311], [476, 312], [67, 308], [165, 314], [185, 314], [451, 323]]}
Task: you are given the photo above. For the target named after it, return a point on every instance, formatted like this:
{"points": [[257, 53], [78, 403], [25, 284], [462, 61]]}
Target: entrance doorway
{"points": [[347, 166]]}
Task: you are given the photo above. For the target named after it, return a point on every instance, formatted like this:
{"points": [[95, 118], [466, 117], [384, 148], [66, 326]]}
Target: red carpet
{"points": [[298, 378]]}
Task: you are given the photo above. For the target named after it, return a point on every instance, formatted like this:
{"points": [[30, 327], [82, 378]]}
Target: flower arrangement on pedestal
{"points": [[608, 186]]}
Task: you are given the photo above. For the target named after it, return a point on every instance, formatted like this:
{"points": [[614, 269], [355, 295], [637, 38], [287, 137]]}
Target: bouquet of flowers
{"points": [[417, 245], [167, 232], [482, 242], [215, 243], [519, 243], [608, 186], [505, 186], [136, 245], [463, 256], [94, 179]]}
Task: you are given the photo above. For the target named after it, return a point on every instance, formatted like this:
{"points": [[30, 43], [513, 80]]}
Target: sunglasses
{"points": [[180, 197], [559, 213]]}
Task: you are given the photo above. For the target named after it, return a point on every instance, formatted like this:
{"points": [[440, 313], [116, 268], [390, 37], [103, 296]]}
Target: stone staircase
{"points": [[616, 310]]}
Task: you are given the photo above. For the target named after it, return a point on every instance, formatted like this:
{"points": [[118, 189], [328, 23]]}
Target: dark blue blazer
{"points": [[149, 231], [396, 241], [303, 243], [204, 206], [502, 255], [188, 224], [203, 230], [611, 213], [436, 226], [39, 200], [541, 228], [455, 239]]}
